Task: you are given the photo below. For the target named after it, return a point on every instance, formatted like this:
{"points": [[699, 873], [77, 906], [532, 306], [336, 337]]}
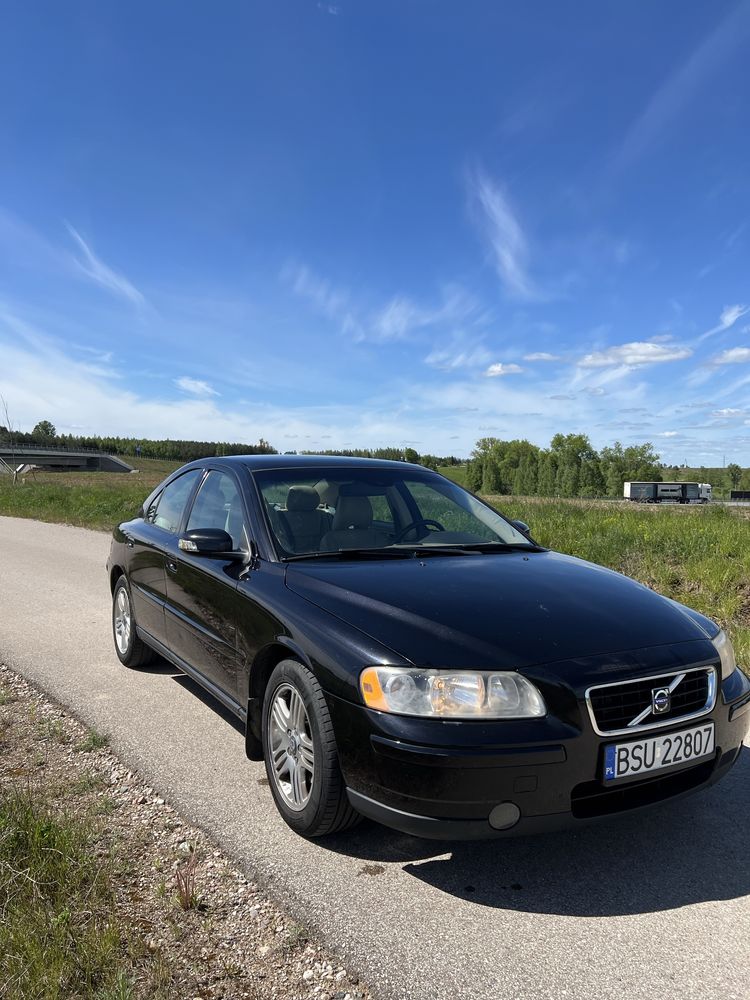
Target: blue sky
{"points": [[377, 223]]}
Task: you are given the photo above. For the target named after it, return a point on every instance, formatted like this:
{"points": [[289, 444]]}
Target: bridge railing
{"points": [[20, 448]]}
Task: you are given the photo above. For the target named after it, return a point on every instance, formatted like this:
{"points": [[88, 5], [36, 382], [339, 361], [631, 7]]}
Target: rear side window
{"points": [[171, 504]]}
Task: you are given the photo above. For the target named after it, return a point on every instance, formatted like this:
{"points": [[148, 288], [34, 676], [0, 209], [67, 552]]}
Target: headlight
{"points": [[451, 694], [726, 654]]}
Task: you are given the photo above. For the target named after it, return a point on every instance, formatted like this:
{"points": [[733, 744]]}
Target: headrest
{"points": [[328, 492], [302, 498], [352, 512]]}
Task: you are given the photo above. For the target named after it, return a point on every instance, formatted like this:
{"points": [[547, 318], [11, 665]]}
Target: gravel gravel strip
{"points": [[231, 941]]}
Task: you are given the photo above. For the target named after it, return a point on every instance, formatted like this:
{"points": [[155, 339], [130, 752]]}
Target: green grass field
{"points": [[698, 555], [88, 499]]}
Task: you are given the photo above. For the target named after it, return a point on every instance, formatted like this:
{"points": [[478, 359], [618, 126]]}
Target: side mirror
{"points": [[522, 527], [208, 542]]}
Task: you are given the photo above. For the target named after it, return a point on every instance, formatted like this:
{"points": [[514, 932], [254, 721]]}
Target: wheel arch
{"points": [[282, 648], [114, 575]]}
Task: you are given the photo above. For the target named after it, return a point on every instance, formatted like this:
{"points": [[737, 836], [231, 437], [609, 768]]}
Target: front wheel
{"points": [[131, 650], [300, 754]]}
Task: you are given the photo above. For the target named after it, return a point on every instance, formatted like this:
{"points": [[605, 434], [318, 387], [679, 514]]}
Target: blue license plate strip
{"points": [[654, 753]]}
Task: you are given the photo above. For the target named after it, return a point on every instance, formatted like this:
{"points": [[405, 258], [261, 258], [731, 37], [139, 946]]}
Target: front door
{"points": [[203, 603]]}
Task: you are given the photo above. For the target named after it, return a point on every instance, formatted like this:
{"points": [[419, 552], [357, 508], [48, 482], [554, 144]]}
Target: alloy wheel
{"points": [[122, 620], [292, 750]]}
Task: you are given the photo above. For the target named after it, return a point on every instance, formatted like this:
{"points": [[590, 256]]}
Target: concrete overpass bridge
{"points": [[59, 459]]}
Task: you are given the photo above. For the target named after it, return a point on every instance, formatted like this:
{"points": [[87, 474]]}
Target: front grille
{"points": [[614, 707]]}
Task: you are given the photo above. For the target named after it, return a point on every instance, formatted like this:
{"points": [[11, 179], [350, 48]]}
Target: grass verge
{"points": [[58, 934]]}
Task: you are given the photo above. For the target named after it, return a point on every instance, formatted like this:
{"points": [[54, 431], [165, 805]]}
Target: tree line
{"points": [[44, 433], [570, 467]]}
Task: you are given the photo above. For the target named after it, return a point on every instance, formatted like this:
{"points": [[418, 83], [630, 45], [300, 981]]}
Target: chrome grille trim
{"points": [[638, 727]]}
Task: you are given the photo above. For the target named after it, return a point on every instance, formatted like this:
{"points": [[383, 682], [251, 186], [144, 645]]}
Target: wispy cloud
{"points": [[674, 95], [734, 356], [503, 233], [541, 356], [402, 316], [195, 386], [637, 352], [500, 369], [398, 319], [101, 273], [457, 355], [729, 316], [728, 412]]}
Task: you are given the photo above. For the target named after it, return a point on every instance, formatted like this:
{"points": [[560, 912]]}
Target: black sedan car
{"points": [[398, 649]]}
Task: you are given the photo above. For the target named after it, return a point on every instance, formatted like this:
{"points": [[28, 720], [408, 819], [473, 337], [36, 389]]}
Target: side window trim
{"points": [[187, 506]]}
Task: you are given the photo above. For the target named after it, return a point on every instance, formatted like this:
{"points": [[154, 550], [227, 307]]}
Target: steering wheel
{"points": [[416, 524]]}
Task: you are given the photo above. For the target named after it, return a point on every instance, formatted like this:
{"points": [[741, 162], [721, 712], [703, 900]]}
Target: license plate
{"points": [[623, 760]]}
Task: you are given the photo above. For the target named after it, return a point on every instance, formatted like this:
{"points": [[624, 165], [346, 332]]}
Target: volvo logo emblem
{"points": [[661, 700]]}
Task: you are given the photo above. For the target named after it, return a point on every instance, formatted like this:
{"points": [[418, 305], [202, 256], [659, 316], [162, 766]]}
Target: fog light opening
{"points": [[504, 816]]}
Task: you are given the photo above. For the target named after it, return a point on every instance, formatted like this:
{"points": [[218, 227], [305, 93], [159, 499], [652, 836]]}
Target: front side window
{"points": [[170, 506], [324, 510], [219, 505]]}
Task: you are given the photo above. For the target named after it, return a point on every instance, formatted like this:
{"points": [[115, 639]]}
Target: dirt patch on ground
{"points": [[194, 926]]}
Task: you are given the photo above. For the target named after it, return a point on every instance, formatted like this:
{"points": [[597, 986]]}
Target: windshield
{"points": [[327, 510]]}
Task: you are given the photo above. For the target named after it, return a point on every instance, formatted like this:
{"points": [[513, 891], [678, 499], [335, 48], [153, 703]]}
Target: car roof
{"points": [[258, 462]]}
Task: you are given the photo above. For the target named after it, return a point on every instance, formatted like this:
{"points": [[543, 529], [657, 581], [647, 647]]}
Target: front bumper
{"points": [[455, 781]]}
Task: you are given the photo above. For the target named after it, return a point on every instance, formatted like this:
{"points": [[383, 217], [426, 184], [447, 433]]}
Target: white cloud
{"points": [[500, 369], [595, 390], [734, 356], [541, 356], [727, 412], [637, 352], [668, 434], [195, 386], [729, 316], [102, 274], [504, 234]]}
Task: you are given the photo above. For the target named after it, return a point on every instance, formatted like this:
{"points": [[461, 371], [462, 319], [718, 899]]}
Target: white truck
{"points": [[667, 492]]}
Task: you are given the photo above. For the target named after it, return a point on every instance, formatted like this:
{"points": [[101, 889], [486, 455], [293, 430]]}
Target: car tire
{"points": [[299, 750], [130, 649]]}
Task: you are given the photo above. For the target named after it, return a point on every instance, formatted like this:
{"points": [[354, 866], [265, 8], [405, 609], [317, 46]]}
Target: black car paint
{"points": [[563, 623]]}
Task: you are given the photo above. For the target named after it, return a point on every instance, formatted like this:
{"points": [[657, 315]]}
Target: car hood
{"points": [[503, 610]]}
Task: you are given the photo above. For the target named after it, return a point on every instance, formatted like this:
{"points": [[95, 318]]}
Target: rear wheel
{"points": [[300, 754], [131, 650]]}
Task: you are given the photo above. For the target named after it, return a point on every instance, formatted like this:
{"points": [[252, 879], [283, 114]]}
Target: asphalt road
{"points": [[652, 907]]}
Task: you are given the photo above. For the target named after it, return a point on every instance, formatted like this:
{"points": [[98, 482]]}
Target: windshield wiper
{"points": [[338, 553], [392, 552], [501, 547]]}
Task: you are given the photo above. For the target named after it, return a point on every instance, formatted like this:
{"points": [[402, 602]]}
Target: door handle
{"points": [[171, 566]]}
